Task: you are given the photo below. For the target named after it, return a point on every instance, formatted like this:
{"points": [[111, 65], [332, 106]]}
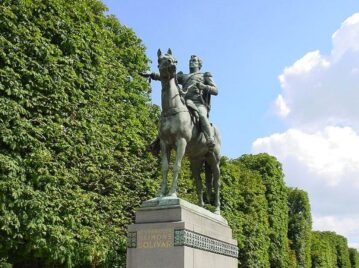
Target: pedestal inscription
{"points": [[180, 235], [156, 238]]}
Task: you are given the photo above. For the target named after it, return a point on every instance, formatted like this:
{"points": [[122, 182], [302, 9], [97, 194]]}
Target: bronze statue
{"points": [[178, 130], [197, 89]]}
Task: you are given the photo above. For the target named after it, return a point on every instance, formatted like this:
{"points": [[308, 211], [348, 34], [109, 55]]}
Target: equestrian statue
{"points": [[185, 127]]}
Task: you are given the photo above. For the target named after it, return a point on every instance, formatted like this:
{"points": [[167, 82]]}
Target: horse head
{"points": [[166, 64]]}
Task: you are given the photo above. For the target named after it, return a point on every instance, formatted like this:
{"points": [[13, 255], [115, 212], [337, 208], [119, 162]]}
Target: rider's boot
{"points": [[207, 130]]}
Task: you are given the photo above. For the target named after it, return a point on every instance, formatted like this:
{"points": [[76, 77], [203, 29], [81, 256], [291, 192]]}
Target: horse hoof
{"points": [[217, 211], [173, 195], [161, 194]]}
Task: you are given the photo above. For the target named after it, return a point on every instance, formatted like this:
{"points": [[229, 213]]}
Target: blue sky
{"points": [[244, 44], [288, 79]]}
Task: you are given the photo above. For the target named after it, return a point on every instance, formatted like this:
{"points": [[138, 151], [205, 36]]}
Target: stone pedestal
{"points": [[173, 233]]}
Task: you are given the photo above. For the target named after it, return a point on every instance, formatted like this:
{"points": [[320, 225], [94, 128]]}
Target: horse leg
{"points": [[209, 182], [180, 151], [165, 155], [196, 175], [213, 161], [216, 184]]}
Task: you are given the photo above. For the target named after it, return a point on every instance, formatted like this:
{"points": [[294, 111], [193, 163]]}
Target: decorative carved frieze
{"points": [[195, 240], [183, 237]]}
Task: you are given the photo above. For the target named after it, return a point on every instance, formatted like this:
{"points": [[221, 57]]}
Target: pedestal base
{"points": [[173, 233]]}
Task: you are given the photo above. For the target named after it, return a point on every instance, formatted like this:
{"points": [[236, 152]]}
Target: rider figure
{"points": [[197, 89]]}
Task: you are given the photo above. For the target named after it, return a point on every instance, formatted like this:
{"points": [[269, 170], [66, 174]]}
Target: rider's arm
{"points": [[209, 83], [155, 76], [179, 77], [180, 81]]}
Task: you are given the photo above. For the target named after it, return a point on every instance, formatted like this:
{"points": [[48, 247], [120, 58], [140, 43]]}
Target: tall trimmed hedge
{"points": [[276, 194], [354, 258], [245, 207], [299, 226], [74, 122], [323, 254], [329, 250], [342, 251]]}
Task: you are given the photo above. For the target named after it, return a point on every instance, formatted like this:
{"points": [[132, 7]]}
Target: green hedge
{"points": [[354, 258], [329, 250], [245, 207], [75, 120], [276, 194], [299, 226]]}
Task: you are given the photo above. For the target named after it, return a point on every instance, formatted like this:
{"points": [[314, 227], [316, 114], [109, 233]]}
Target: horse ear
{"points": [[159, 53], [169, 51]]}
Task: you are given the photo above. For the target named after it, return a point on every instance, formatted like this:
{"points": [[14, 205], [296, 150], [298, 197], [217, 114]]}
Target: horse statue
{"points": [[178, 130]]}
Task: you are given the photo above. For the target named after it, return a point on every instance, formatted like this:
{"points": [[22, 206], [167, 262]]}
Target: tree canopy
{"points": [[75, 119], [244, 203], [354, 258], [329, 250], [299, 226], [276, 194]]}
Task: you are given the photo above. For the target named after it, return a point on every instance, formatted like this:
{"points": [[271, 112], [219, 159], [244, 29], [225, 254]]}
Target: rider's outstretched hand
{"points": [[145, 74]]}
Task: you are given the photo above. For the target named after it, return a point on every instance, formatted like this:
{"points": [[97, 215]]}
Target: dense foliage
{"points": [[244, 203], [299, 226], [322, 252], [329, 250], [354, 258], [342, 251], [276, 194], [74, 122]]}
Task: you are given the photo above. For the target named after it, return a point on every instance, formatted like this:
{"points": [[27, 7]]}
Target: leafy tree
{"points": [[342, 251], [323, 254], [276, 194], [292, 256], [299, 226], [74, 122], [186, 186], [4, 264], [245, 208], [354, 258], [329, 250]]}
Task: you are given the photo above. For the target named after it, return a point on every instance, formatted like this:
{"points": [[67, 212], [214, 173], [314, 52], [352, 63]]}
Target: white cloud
{"points": [[331, 155], [324, 89], [308, 63], [283, 109], [325, 164], [320, 152], [343, 226], [346, 38]]}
